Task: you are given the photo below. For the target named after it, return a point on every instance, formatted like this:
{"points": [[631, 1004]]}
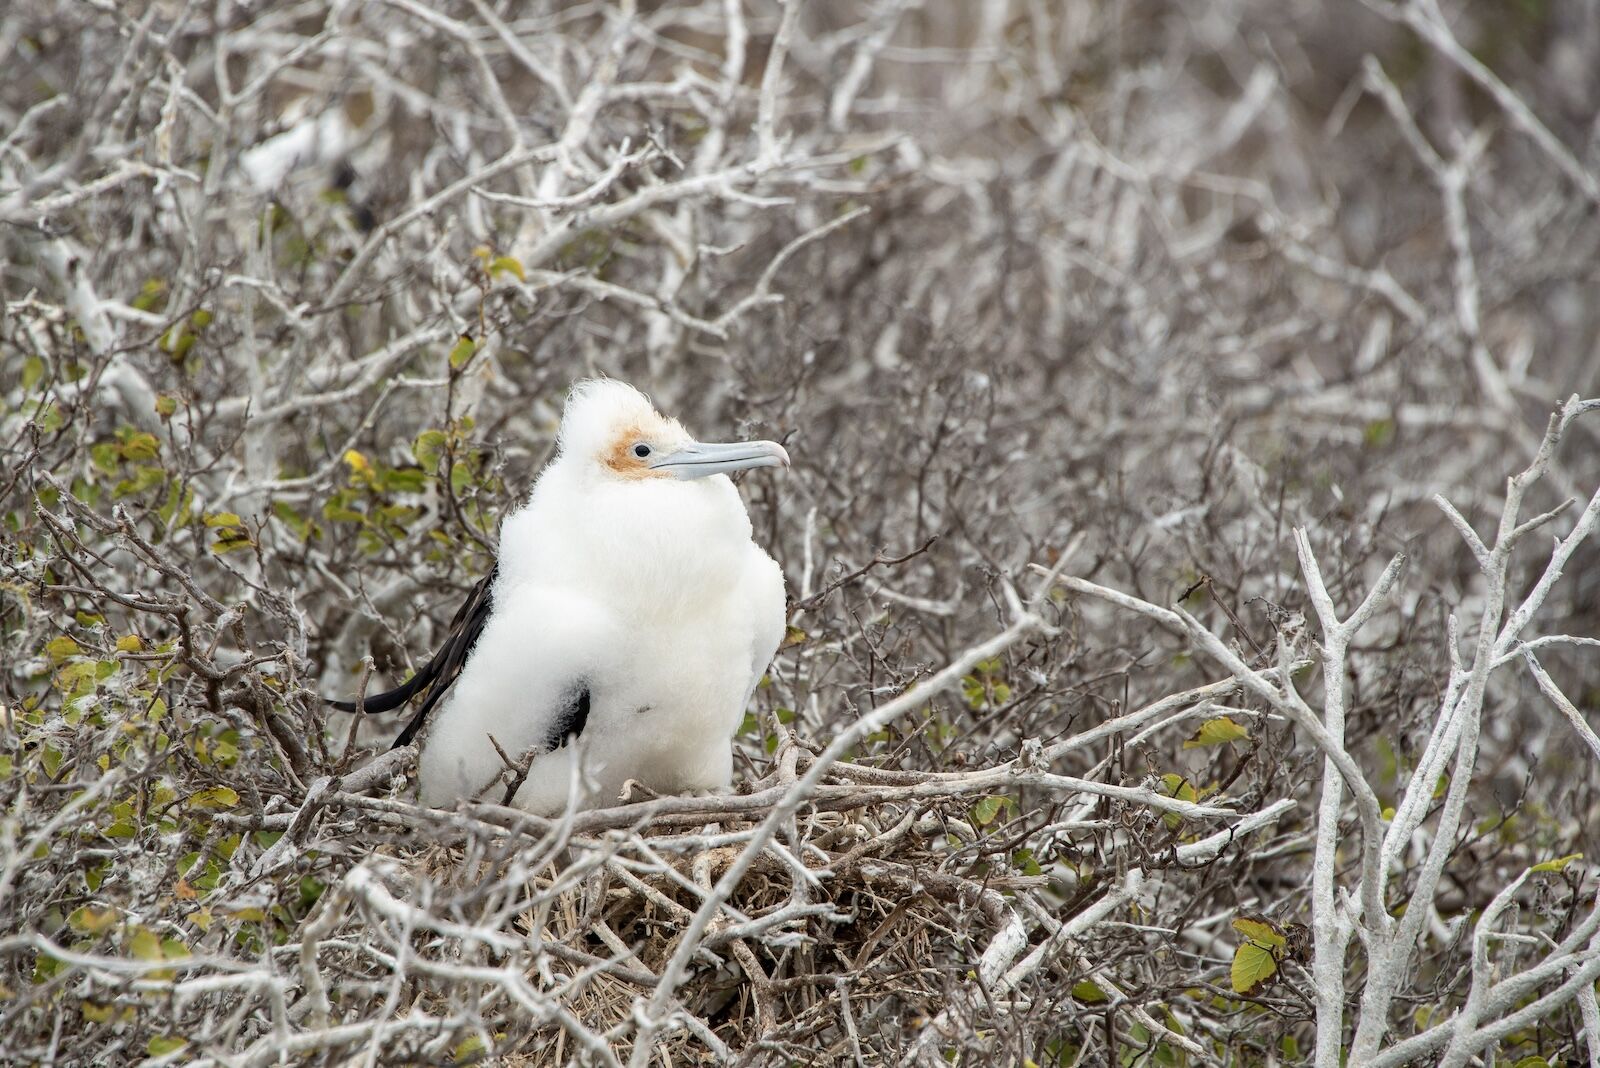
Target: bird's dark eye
{"points": [[641, 450]]}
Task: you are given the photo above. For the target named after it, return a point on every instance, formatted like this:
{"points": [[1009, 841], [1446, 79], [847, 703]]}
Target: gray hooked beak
{"points": [[699, 459]]}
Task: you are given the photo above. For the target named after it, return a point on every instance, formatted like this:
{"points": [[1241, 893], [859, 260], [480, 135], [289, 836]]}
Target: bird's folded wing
{"points": [[440, 671]]}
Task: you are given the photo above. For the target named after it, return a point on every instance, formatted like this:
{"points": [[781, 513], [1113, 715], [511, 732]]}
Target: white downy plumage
{"points": [[629, 622]]}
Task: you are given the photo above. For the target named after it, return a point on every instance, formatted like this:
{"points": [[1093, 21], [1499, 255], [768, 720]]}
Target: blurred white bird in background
{"points": [[623, 629]]}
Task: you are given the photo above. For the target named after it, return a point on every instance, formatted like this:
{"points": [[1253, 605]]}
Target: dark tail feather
{"points": [[420, 718], [390, 700], [438, 673]]}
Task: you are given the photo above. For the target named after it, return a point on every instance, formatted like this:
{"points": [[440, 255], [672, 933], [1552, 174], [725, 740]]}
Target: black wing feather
{"points": [[440, 671], [571, 720]]}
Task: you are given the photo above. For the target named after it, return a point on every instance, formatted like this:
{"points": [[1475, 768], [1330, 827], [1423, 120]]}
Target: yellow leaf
{"points": [[509, 264], [1176, 786], [359, 464], [1558, 864], [1263, 933], [223, 519], [216, 797], [59, 649], [1217, 731], [230, 540], [91, 920], [130, 643]]}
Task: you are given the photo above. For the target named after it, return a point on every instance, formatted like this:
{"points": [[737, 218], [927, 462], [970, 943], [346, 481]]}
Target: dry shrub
{"points": [[1072, 316]]}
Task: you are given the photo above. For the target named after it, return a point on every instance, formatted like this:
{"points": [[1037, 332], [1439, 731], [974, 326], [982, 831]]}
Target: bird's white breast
{"points": [[654, 597]]}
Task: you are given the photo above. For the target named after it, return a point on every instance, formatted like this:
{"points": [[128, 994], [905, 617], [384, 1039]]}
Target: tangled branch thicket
{"points": [[1173, 675]]}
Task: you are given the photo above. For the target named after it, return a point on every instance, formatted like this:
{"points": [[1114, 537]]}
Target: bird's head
{"points": [[613, 431]]}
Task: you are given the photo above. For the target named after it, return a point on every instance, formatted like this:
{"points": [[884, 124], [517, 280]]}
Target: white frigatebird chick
{"points": [[622, 630]]}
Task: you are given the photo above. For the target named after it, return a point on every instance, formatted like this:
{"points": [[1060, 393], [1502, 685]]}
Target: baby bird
{"points": [[622, 631]]}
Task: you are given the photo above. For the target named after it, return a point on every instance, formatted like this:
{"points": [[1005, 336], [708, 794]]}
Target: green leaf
{"points": [[403, 479], [177, 342], [1378, 433], [150, 295], [429, 448], [164, 1044], [1089, 992], [1219, 731], [145, 477], [48, 418], [61, 648], [137, 446], [985, 811], [1253, 966], [460, 478], [290, 517], [105, 456], [462, 353], [1557, 865], [178, 505], [145, 944], [311, 890]]}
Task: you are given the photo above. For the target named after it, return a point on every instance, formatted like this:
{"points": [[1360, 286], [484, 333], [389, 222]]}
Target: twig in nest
{"points": [[518, 768]]}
